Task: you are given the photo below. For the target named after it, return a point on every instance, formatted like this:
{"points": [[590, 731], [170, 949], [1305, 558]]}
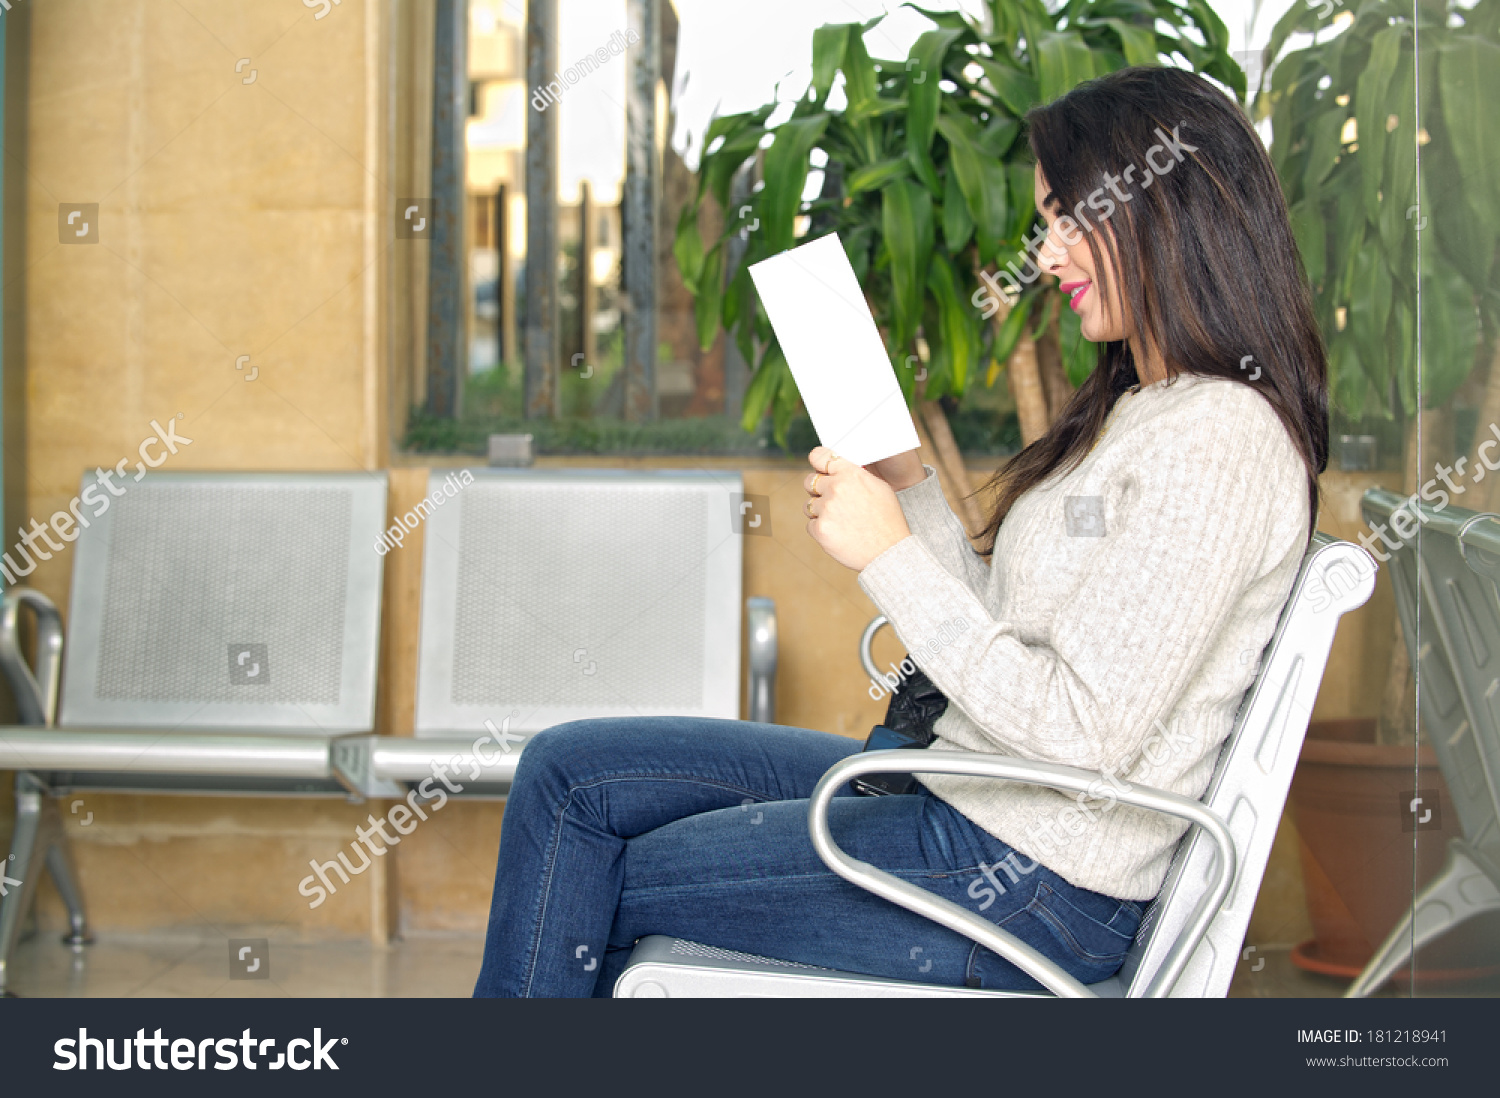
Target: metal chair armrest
{"points": [[1064, 778], [761, 615], [36, 694], [1485, 540], [866, 646]]}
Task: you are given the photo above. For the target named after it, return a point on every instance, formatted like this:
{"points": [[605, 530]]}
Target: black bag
{"points": [[915, 706]]}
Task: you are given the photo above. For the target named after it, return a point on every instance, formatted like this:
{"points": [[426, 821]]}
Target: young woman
{"points": [[1139, 557]]}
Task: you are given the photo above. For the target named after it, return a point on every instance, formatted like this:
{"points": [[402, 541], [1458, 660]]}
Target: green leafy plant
{"points": [[1347, 143], [926, 180]]}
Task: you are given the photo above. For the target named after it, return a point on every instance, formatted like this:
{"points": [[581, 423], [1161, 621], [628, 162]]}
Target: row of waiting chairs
{"points": [[1189, 940], [224, 635]]}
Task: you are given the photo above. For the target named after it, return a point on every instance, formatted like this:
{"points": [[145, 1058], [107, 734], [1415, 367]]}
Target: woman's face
{"points": [[1073, 264]]}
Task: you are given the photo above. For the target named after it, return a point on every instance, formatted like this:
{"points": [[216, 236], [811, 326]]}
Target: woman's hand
{"points": [[852, 513]]}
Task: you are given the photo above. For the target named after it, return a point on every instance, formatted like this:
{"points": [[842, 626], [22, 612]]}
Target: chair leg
{"points": [[23, 866], [64, 875], [1461, 890]]}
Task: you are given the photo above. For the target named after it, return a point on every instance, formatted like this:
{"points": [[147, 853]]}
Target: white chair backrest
{"points": [[226, 601], [551, 595], [1253, 775]]}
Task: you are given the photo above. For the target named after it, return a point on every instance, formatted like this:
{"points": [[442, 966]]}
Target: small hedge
{"points": [[978, 434]]}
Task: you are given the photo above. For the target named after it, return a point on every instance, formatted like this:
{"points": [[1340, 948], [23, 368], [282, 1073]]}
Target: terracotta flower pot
{"points": [[1352, 806]]}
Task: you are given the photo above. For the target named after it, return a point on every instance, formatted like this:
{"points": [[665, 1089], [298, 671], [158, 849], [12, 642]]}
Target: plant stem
{"points": [[1026, 386], [1049, 365], [943, 445], [1398, 702]]}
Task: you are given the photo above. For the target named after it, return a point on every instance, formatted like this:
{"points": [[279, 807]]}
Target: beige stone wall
{"points": [[233, 219]]}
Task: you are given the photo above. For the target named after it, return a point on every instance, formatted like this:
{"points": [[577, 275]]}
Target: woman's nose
{"points": [[1053, 257]]}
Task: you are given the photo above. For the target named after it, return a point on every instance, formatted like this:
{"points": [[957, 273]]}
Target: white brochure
{"points": [[837, 357]]}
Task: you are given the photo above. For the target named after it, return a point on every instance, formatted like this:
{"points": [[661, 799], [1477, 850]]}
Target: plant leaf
{"points": [[1450, 330], [718, 168], [1008, 334], [687, 247], [857, 247], [956, 318], [1016, 90], [924, 67], [1369, 111], [859, 74], [1348, 384], [1137, 42], [1399, 177], [828, 46], [784, 406], [709, 304], [906, 222], [1063, 62], [1299, 17], [1369, 309], [1469, 76], [1021, 186], [761, 391], [1324, 146], [1311, 232], [780, 199], [952, 19], [1079, 356], [874, 176], [958, 226], [982, 180]]}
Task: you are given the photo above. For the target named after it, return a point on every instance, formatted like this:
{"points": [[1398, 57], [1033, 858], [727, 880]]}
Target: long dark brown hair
{"points": [[1208, 269]]}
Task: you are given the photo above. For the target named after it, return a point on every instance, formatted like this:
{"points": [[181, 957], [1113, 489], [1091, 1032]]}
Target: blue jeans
{"points": [[617, 828]]}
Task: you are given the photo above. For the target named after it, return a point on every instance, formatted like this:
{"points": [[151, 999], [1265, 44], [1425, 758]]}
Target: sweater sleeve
{"points": [[934, 524], [1192, 517]]}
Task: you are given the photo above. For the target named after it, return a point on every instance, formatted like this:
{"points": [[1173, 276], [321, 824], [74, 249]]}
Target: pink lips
{"points": [[1075, 292]]}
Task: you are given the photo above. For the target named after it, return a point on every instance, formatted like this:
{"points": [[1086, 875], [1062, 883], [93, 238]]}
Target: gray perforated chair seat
{"points": [[1190, 936]]}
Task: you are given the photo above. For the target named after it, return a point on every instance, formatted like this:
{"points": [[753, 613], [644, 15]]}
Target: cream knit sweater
{"points": [[1117, 627]]}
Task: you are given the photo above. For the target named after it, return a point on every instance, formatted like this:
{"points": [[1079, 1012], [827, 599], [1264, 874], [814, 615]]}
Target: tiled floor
{"points": [[188, 965], [1278, 978]]}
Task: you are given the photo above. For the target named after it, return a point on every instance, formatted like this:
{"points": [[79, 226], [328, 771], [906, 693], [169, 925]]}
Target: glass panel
{"points": [[1340, 873], [1451, 225], [1387, 159]]}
